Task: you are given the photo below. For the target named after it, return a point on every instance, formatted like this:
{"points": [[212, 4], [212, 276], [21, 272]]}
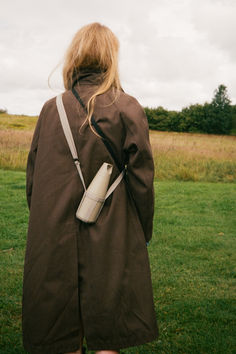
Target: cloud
{"points": [[172, 53], [216, 20]]}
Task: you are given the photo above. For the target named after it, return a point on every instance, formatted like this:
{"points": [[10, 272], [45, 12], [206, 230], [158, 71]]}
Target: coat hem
{"points": [[56, 348], [126, 343]]}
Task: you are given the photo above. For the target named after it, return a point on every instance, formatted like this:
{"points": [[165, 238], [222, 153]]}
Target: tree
{"points": [[157, 118], [3, 110], [221, 115], [221, 99], [193, 118], [217, 117]]}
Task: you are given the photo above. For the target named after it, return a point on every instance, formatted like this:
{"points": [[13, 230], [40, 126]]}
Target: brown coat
{"points": [[94, 277]]}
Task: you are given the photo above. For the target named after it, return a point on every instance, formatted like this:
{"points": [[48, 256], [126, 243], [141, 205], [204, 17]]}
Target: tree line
{"points": [[216, 117]]}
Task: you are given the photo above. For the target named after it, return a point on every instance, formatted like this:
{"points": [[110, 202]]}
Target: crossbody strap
{"points": [[68, 135], [70, 141], [99, 131]]}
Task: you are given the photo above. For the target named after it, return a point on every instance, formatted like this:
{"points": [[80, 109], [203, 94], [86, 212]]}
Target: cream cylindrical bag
{"points": [[95, 195]]}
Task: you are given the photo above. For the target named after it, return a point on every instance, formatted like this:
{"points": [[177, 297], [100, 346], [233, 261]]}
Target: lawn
{"points": [[192, 257]]}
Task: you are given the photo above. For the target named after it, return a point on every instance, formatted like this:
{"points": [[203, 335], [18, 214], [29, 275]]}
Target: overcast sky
{"points": [[172, 52]]}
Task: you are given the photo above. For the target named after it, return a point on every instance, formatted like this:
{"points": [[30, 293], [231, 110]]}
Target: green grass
{"points": [[192, 256], [17, 122]]}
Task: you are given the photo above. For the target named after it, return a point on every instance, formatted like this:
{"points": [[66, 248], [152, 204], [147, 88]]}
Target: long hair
{"points": [[93, 47]]}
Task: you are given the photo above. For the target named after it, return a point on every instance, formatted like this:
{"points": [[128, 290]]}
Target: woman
{"points": [[82, 280]]}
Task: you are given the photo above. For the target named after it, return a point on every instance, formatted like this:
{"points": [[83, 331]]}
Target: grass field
{"points": [[177, 156], [192, 256]]}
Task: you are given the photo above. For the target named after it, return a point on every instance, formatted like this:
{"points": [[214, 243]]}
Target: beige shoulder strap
{"points": [[70, 141], [68, 135]]}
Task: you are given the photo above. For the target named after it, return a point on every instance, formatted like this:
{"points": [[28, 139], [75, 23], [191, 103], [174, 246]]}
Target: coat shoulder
{"points": [[131, 111], [49, 103], [128, 102], [49, 106], [124, 102]]}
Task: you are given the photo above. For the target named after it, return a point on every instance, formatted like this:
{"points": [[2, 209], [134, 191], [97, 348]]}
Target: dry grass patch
{"points": [[177, 156], [194, 157], [14, 147]]}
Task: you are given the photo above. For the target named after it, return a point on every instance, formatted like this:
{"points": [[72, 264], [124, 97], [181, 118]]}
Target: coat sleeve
{"points": [[140, 164], [32, 158]]}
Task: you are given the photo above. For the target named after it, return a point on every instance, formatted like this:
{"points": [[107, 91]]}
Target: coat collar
{"points": [[88, 77]]}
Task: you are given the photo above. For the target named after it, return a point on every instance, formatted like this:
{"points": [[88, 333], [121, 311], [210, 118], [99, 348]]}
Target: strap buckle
{"points": [[76, 160]]}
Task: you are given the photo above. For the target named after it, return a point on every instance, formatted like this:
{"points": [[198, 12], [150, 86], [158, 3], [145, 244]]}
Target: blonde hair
{"points": [[93, 47]]}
